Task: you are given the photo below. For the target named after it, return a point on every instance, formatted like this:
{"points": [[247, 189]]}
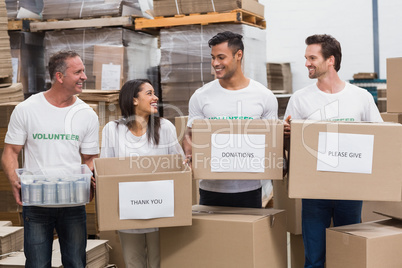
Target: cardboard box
{"points": [[169, 8], [110, 56], [112, 171], [357, 161], [394, 85], [392, 117], [226, 149], [296, 251], [292, 207], [227, 237], [369, 208], [365, 245]]}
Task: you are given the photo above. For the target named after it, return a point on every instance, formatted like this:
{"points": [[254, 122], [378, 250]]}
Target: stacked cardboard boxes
{"points": [[53, 9], [111, 55], [9, 210], [279, 77], [97, 252], [6, 70], [186, 61], [394, 91]]}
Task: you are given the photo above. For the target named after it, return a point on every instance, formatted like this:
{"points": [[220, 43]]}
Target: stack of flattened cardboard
{"points": [[279, 77], [12, 93], [111, 55], [76, 9], [9, 210], [97, 256], [186, 61], [172, 7], [6, 68], [11, 239]]}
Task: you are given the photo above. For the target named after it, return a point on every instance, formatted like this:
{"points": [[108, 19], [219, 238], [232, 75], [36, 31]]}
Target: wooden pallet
{"points": [[235, 16], [20, 25], [126, 21]]}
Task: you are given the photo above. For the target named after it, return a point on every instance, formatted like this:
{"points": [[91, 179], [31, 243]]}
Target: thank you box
{"points": [[142, 192], [249, 149], [341, 160]]}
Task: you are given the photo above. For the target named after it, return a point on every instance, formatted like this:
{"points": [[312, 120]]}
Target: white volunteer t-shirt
{"points": [[53, 137], [212, 101], [350, 104], [118, 141]]}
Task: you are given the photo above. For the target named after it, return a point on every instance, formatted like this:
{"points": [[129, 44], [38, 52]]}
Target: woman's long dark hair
{"points": [[128, 92]]}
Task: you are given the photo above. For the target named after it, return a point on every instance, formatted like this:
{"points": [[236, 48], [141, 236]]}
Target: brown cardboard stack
{"points": [[11, 239], [97, 256], [110, 55], [12, 93], [279, 77], [6, 69], [186, 61], [73, 9], [105, 104], [9, 210], [394, 91], [172, 7]]}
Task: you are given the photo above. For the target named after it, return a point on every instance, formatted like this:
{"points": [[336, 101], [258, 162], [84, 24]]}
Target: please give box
{"points": [[227, 237], [349, 161], [249, 149], [142, 192]]}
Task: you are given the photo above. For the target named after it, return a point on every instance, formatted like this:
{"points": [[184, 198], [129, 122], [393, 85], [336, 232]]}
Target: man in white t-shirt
{"points": [[230, 96], [56, 130], [328, 99]]}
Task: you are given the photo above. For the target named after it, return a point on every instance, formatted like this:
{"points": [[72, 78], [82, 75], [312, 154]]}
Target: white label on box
{"points": [[146, 200], [237, 153], [343, 152], [110, 77]]}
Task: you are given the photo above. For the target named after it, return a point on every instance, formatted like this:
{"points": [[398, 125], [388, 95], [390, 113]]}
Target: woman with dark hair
{"points": [[139, 132]]}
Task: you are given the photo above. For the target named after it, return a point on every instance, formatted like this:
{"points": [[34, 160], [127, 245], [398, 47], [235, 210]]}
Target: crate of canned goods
{"points": [[55, 186]]}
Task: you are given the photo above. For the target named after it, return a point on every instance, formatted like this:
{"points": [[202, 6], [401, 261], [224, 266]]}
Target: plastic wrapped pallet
{"points": [[186, 61], [14, 7], [76, 9], [28, 54], [111, 55]]}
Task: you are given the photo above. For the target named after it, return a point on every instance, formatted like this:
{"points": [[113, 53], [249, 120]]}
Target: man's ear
{"points": [[59, 77]]}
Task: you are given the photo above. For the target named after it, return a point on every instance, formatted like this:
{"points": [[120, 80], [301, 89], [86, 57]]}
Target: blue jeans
{"points": [[250, 199], [39, 225], [316, 217]]}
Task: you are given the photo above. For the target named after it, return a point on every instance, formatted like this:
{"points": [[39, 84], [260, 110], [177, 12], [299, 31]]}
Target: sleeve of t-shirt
{"points": [[271, 107], [292, 110], [108, 140], [194, 109], [90, 143], [174, 146], [16, 132], [372, 113]]}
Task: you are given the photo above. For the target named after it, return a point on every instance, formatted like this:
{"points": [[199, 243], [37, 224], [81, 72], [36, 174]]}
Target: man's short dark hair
{"points": [[329, 47], [57, 62], [234, 40]]}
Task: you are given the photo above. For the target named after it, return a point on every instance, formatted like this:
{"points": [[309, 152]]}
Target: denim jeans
{"points": [[250, 199], [316, 217], [39, 225]]}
